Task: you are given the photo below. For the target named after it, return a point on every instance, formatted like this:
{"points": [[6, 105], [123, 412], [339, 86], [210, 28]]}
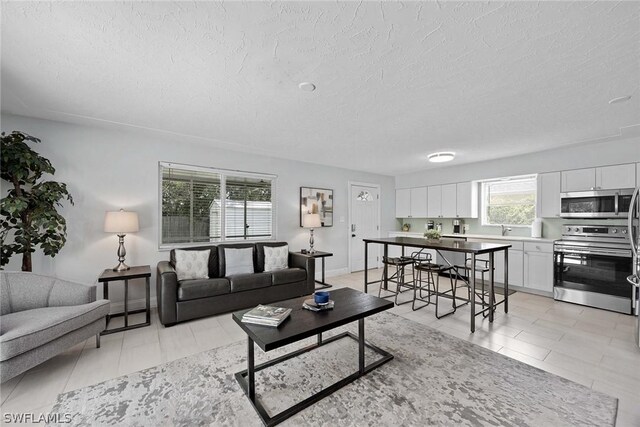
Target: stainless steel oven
{"points": [[596, 204], [591, 265]]}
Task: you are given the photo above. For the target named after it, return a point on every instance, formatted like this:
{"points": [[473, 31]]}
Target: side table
{"points": [[138, 272], [322, 256]]}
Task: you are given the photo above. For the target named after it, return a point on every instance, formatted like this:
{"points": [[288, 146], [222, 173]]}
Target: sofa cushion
{"points": [[25, 330], [192, 264], [202, 288], [246, 282], [289, 275], [214, 267], [238, 261], [260, 253], [276, 258], [222, 257]]}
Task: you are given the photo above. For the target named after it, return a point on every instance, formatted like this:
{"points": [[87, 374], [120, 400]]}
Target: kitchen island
{"points": [[471, 248]]}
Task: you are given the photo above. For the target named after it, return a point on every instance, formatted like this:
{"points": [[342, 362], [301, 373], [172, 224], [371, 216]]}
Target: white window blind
{"points": [[248, 208], [194, 211]]}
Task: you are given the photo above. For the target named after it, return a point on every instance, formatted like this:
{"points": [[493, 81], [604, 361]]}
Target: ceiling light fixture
{"points": [[445, 156], [620, 99], [307, 87]]}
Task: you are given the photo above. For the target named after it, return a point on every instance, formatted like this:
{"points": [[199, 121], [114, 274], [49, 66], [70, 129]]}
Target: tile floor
{"points": [[592, 347]]}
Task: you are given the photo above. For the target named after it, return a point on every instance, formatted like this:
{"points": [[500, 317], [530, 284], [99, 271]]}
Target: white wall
{"points": [[108, 169], [573, 157]]}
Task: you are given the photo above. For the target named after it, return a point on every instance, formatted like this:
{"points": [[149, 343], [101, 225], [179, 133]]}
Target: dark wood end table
{"points": [[322, 256], [350, 306], [138, 272]]}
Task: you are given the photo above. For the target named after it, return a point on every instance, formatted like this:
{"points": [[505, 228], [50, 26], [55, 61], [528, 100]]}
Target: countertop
{"points": [[448, 245], [481, 236]]}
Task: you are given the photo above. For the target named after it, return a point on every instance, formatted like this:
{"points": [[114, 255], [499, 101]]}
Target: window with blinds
{"points": [[509, 201], [208, 205]]}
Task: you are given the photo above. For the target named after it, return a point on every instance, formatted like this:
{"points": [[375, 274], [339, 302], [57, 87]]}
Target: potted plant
{"points": [[433, 235], [28, 214]]}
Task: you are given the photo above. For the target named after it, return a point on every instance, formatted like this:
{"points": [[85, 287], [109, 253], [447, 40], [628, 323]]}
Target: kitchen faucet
{"points": [[504, 229]]}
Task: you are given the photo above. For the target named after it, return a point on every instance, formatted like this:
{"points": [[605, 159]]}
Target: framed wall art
{"points": [[317, 201]]}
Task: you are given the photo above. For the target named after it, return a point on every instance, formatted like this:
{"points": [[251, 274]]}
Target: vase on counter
{"points": [[406, 227]]}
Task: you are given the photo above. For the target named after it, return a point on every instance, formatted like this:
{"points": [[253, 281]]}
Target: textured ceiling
{"points": [[395, 80]]}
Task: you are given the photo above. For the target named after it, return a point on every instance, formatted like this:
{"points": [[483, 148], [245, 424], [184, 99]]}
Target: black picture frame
{"points": [[317, 200]]}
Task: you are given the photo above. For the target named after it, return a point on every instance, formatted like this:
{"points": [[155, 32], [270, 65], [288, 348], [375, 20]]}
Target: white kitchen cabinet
{"points": [[616, 177], [418, 202], [515, 262], [448, 197], [538, 266], [548, 198], [602, 178], [403, 203], [578, 180], [467, 200], [434, 201]]}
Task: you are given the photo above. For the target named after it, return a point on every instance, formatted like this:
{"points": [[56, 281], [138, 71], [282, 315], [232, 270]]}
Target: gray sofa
{"points": [[179, 301], [42, 316]]}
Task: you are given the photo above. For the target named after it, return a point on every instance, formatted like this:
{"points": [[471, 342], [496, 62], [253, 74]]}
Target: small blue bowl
{"points": [[321, 297]]}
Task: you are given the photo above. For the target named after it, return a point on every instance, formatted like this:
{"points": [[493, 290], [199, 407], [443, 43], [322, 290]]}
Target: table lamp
{"points": [[311, 221], [121, 223]]}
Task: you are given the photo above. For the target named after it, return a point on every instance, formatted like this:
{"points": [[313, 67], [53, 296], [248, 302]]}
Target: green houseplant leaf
{"points": [[28, 214]]}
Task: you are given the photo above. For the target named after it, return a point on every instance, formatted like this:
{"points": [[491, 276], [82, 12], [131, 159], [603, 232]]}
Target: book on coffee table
{"points": [[310, 304], [266, 315]]}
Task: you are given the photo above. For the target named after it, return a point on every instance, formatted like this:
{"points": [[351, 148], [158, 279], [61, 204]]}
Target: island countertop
{"points": [[444, 244]]}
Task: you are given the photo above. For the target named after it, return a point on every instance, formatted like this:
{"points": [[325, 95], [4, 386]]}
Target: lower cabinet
{"points": [[530, 263], [515, 262], [538, 266]]}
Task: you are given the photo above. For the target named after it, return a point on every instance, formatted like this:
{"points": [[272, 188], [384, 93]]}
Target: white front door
{"points": [[365, 223]]}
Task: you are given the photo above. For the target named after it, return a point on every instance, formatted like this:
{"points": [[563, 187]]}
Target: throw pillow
{"points": [[238, 261], [192, 264], [276, 258]]}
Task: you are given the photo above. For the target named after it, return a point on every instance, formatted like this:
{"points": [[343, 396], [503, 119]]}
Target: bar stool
{"points": [[431, 279], [482, 266], [398, 277]]}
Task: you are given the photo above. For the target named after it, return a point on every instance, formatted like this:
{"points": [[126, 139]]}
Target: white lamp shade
{"points": [[120, 222], [311, 221]]}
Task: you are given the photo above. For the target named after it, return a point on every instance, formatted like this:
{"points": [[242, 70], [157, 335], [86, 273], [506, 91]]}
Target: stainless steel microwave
{"points": [[596, 204]]}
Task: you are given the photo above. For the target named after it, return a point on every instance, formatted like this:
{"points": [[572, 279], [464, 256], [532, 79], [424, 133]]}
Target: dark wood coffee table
{"points": [[350, 305]]}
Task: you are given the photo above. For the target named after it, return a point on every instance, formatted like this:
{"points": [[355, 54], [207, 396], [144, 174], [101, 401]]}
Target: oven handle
{"points": [[635, 281], [632, 207], [605, 252]]}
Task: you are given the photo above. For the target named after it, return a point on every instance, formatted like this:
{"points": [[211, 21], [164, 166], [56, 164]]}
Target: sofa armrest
{"points": [[64, 293], [166, 293], [307, 263]]}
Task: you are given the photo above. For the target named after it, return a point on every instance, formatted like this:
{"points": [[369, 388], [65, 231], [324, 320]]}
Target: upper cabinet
{"points": [[467, 200], [548, 198], [616, 177], [411, 202], [449, 199], [419, 202], [579, 180], [453, 200], [403, 203], [602, 178], [434, 201]]}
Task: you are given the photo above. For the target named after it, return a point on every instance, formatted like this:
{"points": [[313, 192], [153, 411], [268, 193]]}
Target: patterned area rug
{"points": [[434, 379]]}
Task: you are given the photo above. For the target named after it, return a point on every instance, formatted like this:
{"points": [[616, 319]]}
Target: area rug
{"points": [[434, 379]]}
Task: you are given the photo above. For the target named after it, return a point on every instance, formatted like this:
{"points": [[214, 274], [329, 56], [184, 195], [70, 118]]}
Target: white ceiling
{"points": [[395, 80]]}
